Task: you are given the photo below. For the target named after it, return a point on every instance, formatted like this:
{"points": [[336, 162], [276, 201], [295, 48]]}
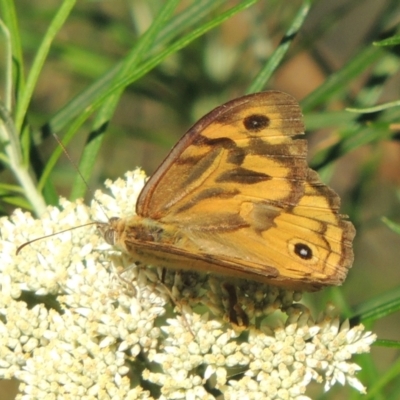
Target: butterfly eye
{"points": [[256, 122], [109, 236], [108, 230], [303, 251]]}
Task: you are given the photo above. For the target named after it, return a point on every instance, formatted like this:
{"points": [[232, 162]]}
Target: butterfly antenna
{"points": [[58, 140], [52, 234], [87, 186], [60, 143]]}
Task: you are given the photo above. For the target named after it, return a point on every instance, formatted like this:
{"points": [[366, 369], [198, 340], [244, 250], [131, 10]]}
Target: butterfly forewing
{"points": [[241, 150]]}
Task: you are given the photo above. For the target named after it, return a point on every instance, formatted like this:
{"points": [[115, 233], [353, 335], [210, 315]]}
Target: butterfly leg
{"points": [[235, 312]]}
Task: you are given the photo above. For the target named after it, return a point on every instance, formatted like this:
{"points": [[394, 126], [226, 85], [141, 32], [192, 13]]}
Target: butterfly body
{"points": [[236, 197]]}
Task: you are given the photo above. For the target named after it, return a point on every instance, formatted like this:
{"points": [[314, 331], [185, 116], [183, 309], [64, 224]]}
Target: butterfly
{"points": [[235, 197]]}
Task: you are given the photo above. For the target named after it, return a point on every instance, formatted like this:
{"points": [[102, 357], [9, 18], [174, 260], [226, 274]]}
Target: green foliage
{"points": [[120, 82]]}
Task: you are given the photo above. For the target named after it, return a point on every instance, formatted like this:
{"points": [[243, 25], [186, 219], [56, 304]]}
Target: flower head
{"points": [[80, 319]]}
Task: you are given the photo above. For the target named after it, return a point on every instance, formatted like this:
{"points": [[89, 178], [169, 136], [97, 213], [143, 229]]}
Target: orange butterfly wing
{"points": [[235, 196], [219, 154]]}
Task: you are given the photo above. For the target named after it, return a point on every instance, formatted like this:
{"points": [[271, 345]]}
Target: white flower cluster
{"points": [[79, 320], [274, 363]]}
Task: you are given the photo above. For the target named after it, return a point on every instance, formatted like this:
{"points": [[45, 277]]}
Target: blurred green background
{"points": [[330, 65]]}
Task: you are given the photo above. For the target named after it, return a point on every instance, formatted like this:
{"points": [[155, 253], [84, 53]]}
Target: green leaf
{"points": [[392, 41], [378, 307], [39, 60], [391, 225], [377, 108], [106, 111], [336, 82], [109, 88], [275, 59]]}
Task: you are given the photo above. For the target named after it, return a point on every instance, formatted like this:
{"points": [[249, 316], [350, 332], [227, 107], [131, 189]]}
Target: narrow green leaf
{"points": [[9, 16], [7, 89], [378, 310], [356, 135], [148, 65], [87, 162], [381, 381], [275, 59], [106, 111], [391, 225], [387, 343], [188, 18], [104, 85], [379, 107], [8, 188], [392, 41], [39, 60], [336, 82], [328, 119], [17, 201], [140, 71]]}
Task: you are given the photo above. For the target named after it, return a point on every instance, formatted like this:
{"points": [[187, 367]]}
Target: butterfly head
{"points": [[109, 230]]}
